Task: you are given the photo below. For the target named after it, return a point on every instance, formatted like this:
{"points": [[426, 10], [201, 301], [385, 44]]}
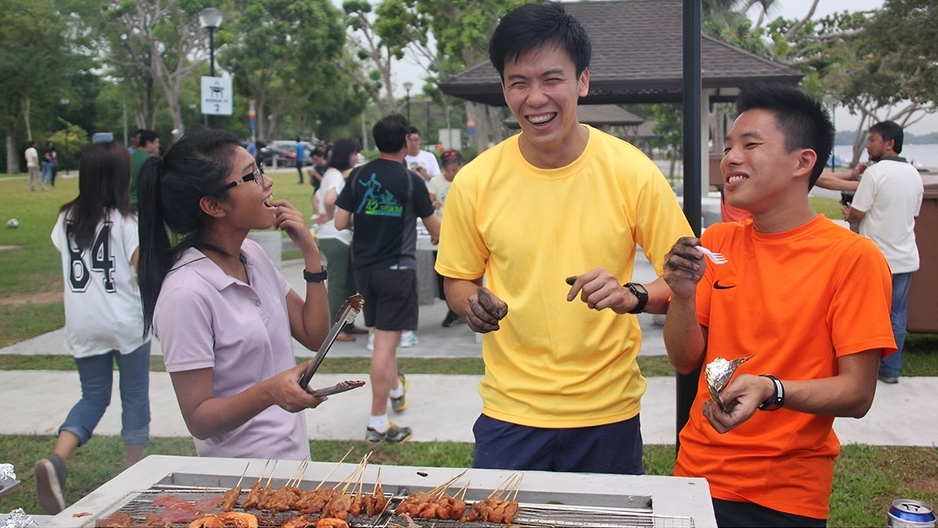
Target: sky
{"points": [[799, 8], [409, 69]]}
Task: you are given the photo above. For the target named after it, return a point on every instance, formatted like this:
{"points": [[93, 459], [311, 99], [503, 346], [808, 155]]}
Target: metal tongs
{"points": [[350, 310]]}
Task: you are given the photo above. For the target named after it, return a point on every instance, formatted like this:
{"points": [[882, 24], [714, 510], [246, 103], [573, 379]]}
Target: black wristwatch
{"points": [[315, 277], [777, 400], [640, 293]]}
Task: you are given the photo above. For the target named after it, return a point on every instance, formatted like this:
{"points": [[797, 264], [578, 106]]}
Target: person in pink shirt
{"points": [[222, 311]]}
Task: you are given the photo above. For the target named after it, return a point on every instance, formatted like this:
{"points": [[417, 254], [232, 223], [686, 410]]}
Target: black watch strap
{"points": [[640, 293], [315, 277], [776, 400]]}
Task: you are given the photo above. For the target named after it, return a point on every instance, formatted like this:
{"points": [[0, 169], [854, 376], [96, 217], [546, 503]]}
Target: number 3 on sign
{"points": [[217, 107]]}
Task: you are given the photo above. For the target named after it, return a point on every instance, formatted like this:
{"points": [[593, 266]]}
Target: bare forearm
{"points": [[848, 394], [458, 292], [219, 415], [684, 338], [658, 295]]}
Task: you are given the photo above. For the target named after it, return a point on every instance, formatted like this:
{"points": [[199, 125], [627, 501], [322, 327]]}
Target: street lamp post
{"points": [[407, 86], [210, 18], [65, 101]]}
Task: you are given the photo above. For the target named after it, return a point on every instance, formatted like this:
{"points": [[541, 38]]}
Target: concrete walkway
{"points": [[443, 407]]}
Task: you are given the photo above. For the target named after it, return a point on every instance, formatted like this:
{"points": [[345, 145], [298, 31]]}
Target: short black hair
{"points": [[148, 136], [390, 133], [890, 130], [317, 152], [802, 119], [533, 26]]}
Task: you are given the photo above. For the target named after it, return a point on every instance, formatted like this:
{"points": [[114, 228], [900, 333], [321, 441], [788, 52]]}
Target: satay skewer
{"points": [[272, 470], [339, 463], [517, 487], [447, 484], [294, 480]]}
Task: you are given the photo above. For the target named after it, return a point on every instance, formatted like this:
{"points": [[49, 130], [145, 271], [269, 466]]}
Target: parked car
{"points": [[283, 152]]}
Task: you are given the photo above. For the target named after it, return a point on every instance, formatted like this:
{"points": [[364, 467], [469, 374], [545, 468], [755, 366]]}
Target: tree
{"points": [[35, 67], [370, 63], [282, 55]]}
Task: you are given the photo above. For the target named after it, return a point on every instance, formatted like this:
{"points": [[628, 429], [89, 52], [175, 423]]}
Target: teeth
{"points": [[537, 120], [734, 179]]}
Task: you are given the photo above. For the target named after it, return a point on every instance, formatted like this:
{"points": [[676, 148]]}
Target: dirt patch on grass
{"points": [[31, 298]]}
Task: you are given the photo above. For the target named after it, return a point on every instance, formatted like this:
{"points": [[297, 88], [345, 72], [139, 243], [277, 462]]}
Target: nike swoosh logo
{"points": [[718, 286]]}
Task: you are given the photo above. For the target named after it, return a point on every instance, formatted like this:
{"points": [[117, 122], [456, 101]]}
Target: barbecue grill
{"points": [[545, 499]]}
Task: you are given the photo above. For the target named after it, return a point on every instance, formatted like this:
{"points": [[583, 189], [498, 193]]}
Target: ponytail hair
{"points": [[169, 190]]}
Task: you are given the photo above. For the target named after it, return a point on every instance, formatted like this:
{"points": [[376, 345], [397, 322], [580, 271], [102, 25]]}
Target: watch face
{"points": [[640, 289]]}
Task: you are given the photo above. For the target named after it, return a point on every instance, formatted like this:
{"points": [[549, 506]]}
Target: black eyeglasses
{"points": [[257, 176]]}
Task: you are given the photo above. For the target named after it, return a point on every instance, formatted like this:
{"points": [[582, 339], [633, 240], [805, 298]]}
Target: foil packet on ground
{"points": [[18, 519], [6, 472], [719, 372]]}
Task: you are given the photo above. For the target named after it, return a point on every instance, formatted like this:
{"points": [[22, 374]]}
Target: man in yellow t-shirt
{"points": [[562, 390], [807, 299]]}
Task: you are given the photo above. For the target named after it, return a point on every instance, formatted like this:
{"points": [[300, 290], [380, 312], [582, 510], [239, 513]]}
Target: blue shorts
{"points": [[611, 448]]}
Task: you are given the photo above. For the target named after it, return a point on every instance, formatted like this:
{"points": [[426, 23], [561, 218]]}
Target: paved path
{"points": [[443, 407]]}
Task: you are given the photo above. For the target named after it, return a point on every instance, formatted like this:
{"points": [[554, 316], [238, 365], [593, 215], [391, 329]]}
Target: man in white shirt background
{"points": [[887, 200], [420, 161]]}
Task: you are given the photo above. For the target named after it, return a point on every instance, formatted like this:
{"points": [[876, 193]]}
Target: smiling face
{"points": [[542, 88], [758, 171], [247, 205]]}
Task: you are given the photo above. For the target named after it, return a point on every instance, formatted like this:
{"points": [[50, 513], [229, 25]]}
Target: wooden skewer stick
{"points": [[238, 485], [447, 484], [517, 487], [348, 480], [261, 477], [497, 492], [272, 470], [377, 481], [463, 490], [335, 468], [297, 475]]}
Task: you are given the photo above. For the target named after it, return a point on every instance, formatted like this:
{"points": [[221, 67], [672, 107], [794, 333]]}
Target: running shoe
{"points": [[409, 339], [400, 404], [393, 435], [51, 474]]}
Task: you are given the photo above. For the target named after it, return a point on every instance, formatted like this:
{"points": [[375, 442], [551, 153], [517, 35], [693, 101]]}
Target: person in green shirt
{"points": [[149, 146]]}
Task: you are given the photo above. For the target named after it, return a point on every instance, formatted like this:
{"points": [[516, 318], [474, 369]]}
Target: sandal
{"points": [[342, 336]]}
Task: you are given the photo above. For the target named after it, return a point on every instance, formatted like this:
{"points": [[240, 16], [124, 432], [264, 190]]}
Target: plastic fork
{"points": [[716, 258]]}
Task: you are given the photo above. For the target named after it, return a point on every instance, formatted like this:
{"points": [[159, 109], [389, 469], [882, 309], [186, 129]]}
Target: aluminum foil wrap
{"points": [[719, 373], [6, 472], [18, 519]]}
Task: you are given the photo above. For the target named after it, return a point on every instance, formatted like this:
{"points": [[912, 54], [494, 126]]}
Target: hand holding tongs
{"points": [[350, 310]]}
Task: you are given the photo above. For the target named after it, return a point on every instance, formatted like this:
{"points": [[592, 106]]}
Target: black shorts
{"points": [[390, 298]]}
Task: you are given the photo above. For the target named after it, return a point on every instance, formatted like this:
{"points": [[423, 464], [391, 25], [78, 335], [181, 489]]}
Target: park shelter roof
{"points": [[637, 58]]}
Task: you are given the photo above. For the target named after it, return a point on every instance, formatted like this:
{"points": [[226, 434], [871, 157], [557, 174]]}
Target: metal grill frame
{"points": [[530, 515]]}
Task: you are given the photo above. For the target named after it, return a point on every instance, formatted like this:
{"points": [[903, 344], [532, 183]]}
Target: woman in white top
{"points": [[96, 234], [334, 244]]}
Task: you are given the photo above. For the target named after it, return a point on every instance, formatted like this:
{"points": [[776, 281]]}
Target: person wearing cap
{"points": [[439, 188]]}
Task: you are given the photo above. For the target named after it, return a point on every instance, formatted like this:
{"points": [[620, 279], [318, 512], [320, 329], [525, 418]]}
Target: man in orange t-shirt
{"points": [[789, 297]]}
